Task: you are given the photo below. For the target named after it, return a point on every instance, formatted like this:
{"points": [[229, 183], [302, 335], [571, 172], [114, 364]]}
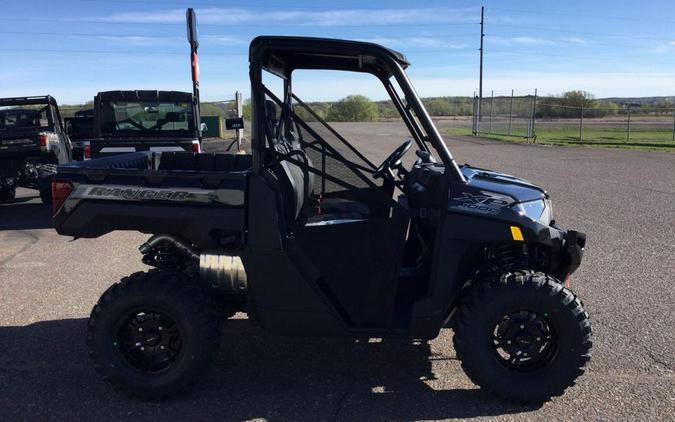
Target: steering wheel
{"points": [[393, 161]]}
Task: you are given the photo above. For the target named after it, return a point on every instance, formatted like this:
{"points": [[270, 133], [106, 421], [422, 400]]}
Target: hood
{"points": [[487, 180]]}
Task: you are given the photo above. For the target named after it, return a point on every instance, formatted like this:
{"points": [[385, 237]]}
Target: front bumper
{"points": [[573, 246]]}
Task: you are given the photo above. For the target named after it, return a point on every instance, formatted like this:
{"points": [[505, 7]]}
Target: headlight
{"points": [[539, 210]]}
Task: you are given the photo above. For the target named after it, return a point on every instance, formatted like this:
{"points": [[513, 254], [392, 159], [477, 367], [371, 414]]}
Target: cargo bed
{"points": [[199, 197]]}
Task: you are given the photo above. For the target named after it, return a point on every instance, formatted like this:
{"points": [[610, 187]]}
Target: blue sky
{"points": [[75, 48]]}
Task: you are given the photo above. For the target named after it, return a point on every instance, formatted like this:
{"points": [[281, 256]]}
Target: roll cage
{"points": [[50, 106], [283, 55]]}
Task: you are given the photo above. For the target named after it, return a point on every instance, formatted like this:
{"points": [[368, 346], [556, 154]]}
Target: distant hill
{"points": [[638, 100]]}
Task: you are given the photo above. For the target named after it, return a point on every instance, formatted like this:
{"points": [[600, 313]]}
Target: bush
{"points": [[354, 108]]}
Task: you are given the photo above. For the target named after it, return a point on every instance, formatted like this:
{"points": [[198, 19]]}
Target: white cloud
{"points": [[221, 40], [573, 40], [535, 41], [532, 41], [137, 40], [225, 16], [413, 42]]}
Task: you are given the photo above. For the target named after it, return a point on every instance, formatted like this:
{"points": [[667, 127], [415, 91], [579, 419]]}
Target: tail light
{"points": [[60, 192], [87, 151], [196, 147], [43, 141]]}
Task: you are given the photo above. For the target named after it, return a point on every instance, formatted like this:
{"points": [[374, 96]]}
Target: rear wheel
{"points": [[154, 333], [523, 337], [45, 187]]}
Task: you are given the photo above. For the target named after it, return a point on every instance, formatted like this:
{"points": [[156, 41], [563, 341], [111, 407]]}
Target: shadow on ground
{"points": [[20, 214], [45, 372]]}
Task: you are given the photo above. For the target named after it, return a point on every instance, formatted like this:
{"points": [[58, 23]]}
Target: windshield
{"points": [[122, 116], [21, 118]]}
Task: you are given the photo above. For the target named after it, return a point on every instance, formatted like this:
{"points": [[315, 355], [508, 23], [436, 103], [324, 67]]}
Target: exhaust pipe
{"points": [[225, 272], [182, 246]]}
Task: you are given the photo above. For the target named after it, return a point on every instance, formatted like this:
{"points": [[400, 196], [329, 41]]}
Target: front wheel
{"points": [[523, 337], [154, 333]]}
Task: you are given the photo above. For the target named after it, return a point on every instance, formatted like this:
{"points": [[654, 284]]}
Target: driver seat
{"points": [[297, 183]]}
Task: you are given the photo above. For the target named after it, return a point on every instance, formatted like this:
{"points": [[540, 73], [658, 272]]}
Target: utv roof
{"points": [[18, 101], [144, 96], [281, 55]]}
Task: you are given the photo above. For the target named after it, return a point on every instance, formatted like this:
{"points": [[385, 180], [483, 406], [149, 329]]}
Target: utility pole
{"points": [[480, 80], [239, 110], [191, 19]]}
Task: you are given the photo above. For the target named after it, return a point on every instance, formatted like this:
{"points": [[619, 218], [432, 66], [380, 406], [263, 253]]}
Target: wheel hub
{"points": [[149, 341], [524, 340]]}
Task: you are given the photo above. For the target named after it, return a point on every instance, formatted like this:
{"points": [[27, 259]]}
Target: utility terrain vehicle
{"points": [[80, 130], [32, 142], [129, 121], [309, 237]]}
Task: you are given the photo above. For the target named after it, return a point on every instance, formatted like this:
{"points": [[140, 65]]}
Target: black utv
{"points": [[308, 236], [32, 143]]}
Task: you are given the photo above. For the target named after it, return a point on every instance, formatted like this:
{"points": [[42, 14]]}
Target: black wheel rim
{"points": [[149, 340], [524, 341]]}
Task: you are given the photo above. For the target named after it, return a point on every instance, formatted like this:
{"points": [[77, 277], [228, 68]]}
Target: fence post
{"points": [[628, 127], [530, 132], [673, 110], [581, 123], [474, 120], [511, 113], [492, 100]]}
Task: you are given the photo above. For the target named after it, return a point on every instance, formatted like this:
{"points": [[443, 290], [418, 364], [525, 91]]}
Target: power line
{"points": [[214, 54], [82, 34], [594, 57], [286, 7], [581, 15], [135, 52], [230, 25], [605, 34]]}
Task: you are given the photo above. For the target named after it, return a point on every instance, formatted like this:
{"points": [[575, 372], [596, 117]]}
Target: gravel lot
{"points": [[623, 200]]}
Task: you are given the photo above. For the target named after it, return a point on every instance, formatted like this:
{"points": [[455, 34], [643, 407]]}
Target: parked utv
{"points": [[81, 130], [32, 143], [309, 237], [129, 121]]}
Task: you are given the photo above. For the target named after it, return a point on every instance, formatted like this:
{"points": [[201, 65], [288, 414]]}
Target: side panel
{"points": [[283, 297]]}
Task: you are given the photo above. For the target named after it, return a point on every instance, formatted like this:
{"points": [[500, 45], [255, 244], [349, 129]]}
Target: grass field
{"points": [[600, 137]]}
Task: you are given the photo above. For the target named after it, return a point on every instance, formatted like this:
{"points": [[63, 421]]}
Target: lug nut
{"points": [[538, 338], [138, 344], [142, 348], [140, 329], [159, 328], [508, 341], [522, 326], [161, 347]]}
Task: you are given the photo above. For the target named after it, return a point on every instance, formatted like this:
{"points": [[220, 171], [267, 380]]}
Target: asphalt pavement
{"points": [[623, 200]]}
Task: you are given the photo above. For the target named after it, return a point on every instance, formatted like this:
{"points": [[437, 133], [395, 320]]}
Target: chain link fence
{"points": [[547, 120]]}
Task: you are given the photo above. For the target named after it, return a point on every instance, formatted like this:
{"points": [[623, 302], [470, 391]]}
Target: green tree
{"points": [[208, 109], [438, 107], [354, 108], [663, 106]]}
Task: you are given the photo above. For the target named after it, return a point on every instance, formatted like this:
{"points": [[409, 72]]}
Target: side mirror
{"points": [[203, 128], [234, 123]]}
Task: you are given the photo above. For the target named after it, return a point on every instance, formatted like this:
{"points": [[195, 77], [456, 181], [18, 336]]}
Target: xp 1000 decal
{"points": [[480, 202]]}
